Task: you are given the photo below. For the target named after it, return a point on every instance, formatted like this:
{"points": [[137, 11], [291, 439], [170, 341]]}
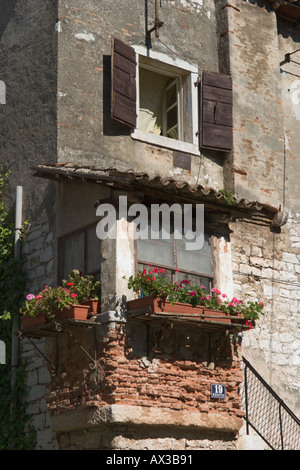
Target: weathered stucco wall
{"points": [[248, 33], [86, 133], [28, 61]]}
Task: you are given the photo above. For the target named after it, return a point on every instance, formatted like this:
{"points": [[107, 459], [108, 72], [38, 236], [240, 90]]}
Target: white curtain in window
{"points": [[151, 86]]}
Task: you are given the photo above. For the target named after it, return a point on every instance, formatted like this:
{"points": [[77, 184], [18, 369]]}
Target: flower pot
{"points": [[94, 306], [216, 316], [30, 322], [241, 320], [154, 304], [73, 312]]}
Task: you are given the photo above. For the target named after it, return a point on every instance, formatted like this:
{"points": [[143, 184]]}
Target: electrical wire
{"points": [[174, 52]]}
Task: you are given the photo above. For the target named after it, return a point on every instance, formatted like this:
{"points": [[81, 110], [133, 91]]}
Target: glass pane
{"points": [[173, 133], [158, 250], [194, 260], [72, 254], [171, 118], [171, 95], [93, 252]]}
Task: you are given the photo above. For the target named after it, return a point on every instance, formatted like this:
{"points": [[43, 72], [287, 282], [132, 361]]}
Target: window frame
{"points": [[165, 65]]}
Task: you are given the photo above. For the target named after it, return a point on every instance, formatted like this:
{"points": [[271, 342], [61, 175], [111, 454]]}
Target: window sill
{"points": [[165, 142]]}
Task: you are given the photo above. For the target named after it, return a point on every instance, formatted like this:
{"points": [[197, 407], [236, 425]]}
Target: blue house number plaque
{"points": [[217, 391]]}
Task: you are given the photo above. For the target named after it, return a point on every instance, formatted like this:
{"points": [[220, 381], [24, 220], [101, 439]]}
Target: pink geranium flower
{"points": [[215, 290], [30, 297]]}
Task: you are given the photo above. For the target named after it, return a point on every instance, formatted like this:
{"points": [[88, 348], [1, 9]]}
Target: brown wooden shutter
{"points": [[216, 112], [123, 90]]}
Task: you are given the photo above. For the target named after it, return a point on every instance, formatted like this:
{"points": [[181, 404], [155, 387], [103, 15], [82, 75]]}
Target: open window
{"points": [[157, 97]]}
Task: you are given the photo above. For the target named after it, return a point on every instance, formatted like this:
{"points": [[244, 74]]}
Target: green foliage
{"points": [[230, 199], [15, 429], [84, 287]]}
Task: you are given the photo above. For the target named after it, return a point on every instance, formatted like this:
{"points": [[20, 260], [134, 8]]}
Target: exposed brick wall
{"points": [[167, 381]]}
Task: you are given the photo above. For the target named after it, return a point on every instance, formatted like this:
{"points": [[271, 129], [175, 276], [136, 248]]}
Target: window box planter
{"points": [[153, 304], [30, 322], [73, 312], [216, 316]]}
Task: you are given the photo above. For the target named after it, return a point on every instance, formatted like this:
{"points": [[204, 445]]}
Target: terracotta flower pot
{"points": [[30, 322], [154, 304], [74, 312], [94, 305], [216, 316]]}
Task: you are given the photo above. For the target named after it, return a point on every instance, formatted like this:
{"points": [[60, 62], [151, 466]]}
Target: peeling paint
{"points": [[85, 36], [292, 94], [58, 27]]}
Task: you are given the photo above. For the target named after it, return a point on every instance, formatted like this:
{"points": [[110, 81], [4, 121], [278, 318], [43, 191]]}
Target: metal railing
{"points": [[267, 414]]}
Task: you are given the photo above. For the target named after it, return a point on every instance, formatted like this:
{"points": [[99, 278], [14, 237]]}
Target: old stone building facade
{"points": [[73, 144]]}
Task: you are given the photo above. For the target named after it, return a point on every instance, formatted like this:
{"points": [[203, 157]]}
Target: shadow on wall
{"points": [[6, 12], [166, 341]]}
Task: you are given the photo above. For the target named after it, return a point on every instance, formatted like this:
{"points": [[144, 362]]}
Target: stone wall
{"points": [[267, 268], [37, 378], [39, 253]]}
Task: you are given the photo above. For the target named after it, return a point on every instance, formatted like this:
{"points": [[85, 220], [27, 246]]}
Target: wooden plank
{"points": [[124, 110], [124, 64], [217, 79], [216, 136], [124, 49], [216, 112], [219, 94], [123, 86]]}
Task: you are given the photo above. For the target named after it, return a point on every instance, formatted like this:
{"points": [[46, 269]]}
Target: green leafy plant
{"points": [[250, 309], [230, 199], [149, 283], [85, 287]]}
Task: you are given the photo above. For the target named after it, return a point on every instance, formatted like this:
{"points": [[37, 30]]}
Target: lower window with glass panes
{"points": [[178, 262], [80, 250]]}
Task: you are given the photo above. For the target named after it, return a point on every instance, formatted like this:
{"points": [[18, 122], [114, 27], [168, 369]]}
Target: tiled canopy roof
{"points": [[130, 180], [287, 9]]}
